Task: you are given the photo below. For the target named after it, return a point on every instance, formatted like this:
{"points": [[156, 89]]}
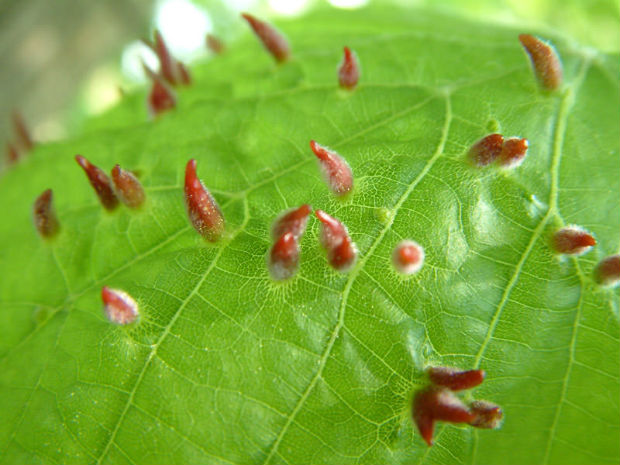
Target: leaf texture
{"points": [[228, 366]]}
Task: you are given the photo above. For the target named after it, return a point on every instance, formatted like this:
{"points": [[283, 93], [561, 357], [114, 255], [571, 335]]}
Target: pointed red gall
{"points": [[341, 251], [332, 230], [172, 70], [284, 257], [24, 139], [455, 379], [437, 404], [44, 215], [545, 60], [342, 257], [335, 169], [607, 272], [100, 182], [271, 38], [486, 150], [214, 44], [202, 209], [486, 414], [513, 152], [119, 307], [572, 240], [408, 257], [160, 99], [349, 70], [128, 188], [293, 221], [185, 77], [12, 155], [166, 61]]}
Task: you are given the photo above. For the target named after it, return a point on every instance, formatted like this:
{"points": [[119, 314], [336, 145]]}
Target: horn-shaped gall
{"points": [[44, 215], [119, 307], [284, 257], [12, 155], [438, 404], [545, 61], [161, 98], [172, 70], [349, 70], [202, 209], [513, 152], [455, 379], [572, 240], [341, 251], [293, 221], [335, 169], [128, 188], [486, 150], [214, 44], [271, 38], [24, 139], [101, 183], [607, 272], [486, 414]]}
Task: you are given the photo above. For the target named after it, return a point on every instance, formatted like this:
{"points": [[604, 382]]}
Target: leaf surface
{"points": [[227, 366]]}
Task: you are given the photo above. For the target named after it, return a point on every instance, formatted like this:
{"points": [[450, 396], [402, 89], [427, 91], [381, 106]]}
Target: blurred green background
{"points": [[64, 60]]}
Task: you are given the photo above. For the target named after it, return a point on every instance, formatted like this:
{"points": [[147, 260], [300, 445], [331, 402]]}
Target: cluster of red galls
{"points": [[438, 402]]}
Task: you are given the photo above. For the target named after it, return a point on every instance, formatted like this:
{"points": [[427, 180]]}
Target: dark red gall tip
{"points": [[202, 209], [343, 256], [486, 415], [332, 230], [119, 307], [335, 169], [184, 75], [160, 99], [572, 240], [12, 155], [513, 152], [173, 71], [545, 61], [44, 215], [349, 70], [24, 139], [214, 44], [293, 221], [341, 251], [607, 272], [100, 182], [128, 188], [486, 150], [454, 378], [437, 404], [408, 257], [271, 38], [284, 257]]}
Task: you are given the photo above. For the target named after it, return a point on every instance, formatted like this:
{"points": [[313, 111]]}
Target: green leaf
{"points": [[227, 366]]}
